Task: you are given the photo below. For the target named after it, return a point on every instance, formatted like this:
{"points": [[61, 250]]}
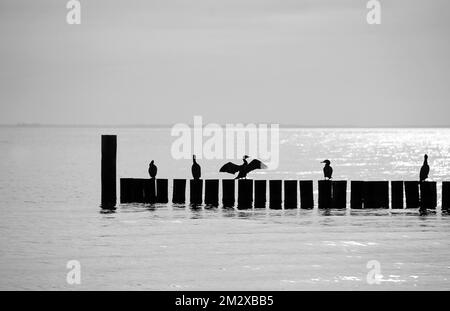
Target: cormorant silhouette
{"points": [[152, 169], [327, 169], [425, 169], [243, 169], [196, 169]]}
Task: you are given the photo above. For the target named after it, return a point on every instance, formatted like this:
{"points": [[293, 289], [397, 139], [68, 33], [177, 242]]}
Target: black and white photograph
{"points": [[246, 146]]}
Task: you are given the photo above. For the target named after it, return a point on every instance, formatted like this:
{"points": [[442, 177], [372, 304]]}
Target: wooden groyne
{"points": [[287, 194]]}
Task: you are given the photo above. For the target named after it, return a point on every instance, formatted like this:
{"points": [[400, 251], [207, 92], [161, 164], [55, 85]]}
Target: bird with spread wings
{"points": [[244, 168]]}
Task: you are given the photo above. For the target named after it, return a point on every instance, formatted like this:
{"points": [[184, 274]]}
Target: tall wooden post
{"points": [[108, 171]]}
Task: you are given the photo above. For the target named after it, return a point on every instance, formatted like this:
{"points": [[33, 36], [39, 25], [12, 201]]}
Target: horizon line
{"points": [[55, 125]]}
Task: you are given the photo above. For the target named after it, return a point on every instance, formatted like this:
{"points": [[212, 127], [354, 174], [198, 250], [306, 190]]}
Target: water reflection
{"points": [[324, 217], [107, 211]]}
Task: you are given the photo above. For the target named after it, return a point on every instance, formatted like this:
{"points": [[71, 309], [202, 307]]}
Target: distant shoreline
{"points": [[165, 126]]}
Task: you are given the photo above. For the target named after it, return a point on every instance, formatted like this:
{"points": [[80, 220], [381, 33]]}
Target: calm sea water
{"points": [[50, 191]]}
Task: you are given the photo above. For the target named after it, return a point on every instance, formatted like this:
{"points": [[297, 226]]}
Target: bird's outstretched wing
{"points": [[230, 168], [255, 164]]}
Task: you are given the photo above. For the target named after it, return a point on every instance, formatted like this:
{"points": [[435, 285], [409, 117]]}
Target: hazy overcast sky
{"points": [[314, 62]]}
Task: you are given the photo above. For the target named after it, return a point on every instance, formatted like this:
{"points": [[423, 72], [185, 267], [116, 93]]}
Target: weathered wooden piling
{"points": [[137, 190], [325, 194], [228, 192], [397, 194], [162, 192], [260, 194], [306, 194], [357, 194], [150, 191], [179, 191], [245, 193], [339, 194], [108, 171], [275, 194], [212, 192], [125, 190], [412, 194], [290, 194], [195, 191], [446, 195], [376, 194], [428, 195]]}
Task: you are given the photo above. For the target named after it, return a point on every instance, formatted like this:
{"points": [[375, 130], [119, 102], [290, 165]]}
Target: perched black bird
{"points": [[152, 169], [243, 169], [196, 169], [425, 169], [327, 169]]}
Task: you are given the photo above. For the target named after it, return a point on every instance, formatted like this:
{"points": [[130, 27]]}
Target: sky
{"points": [[308, 63]]}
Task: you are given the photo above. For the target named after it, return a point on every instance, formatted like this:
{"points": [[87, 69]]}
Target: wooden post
{"points": [[275, 194], [339, 194], [108, 171], [412, 194], [260, 194], [245, 193], [357, 194], [306, 194], [162, 192], [212, 192], [228, 192], [397, 194], [376, 194], [195, 190], [446, 195], [428, 195], [290, 194], [325, 194], [137, 190], [125, 190], [150, 191], [179, 191]]}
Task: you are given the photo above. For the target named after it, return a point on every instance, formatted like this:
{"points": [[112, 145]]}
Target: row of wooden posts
{"points": [[253, 193], [332, 194]]}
